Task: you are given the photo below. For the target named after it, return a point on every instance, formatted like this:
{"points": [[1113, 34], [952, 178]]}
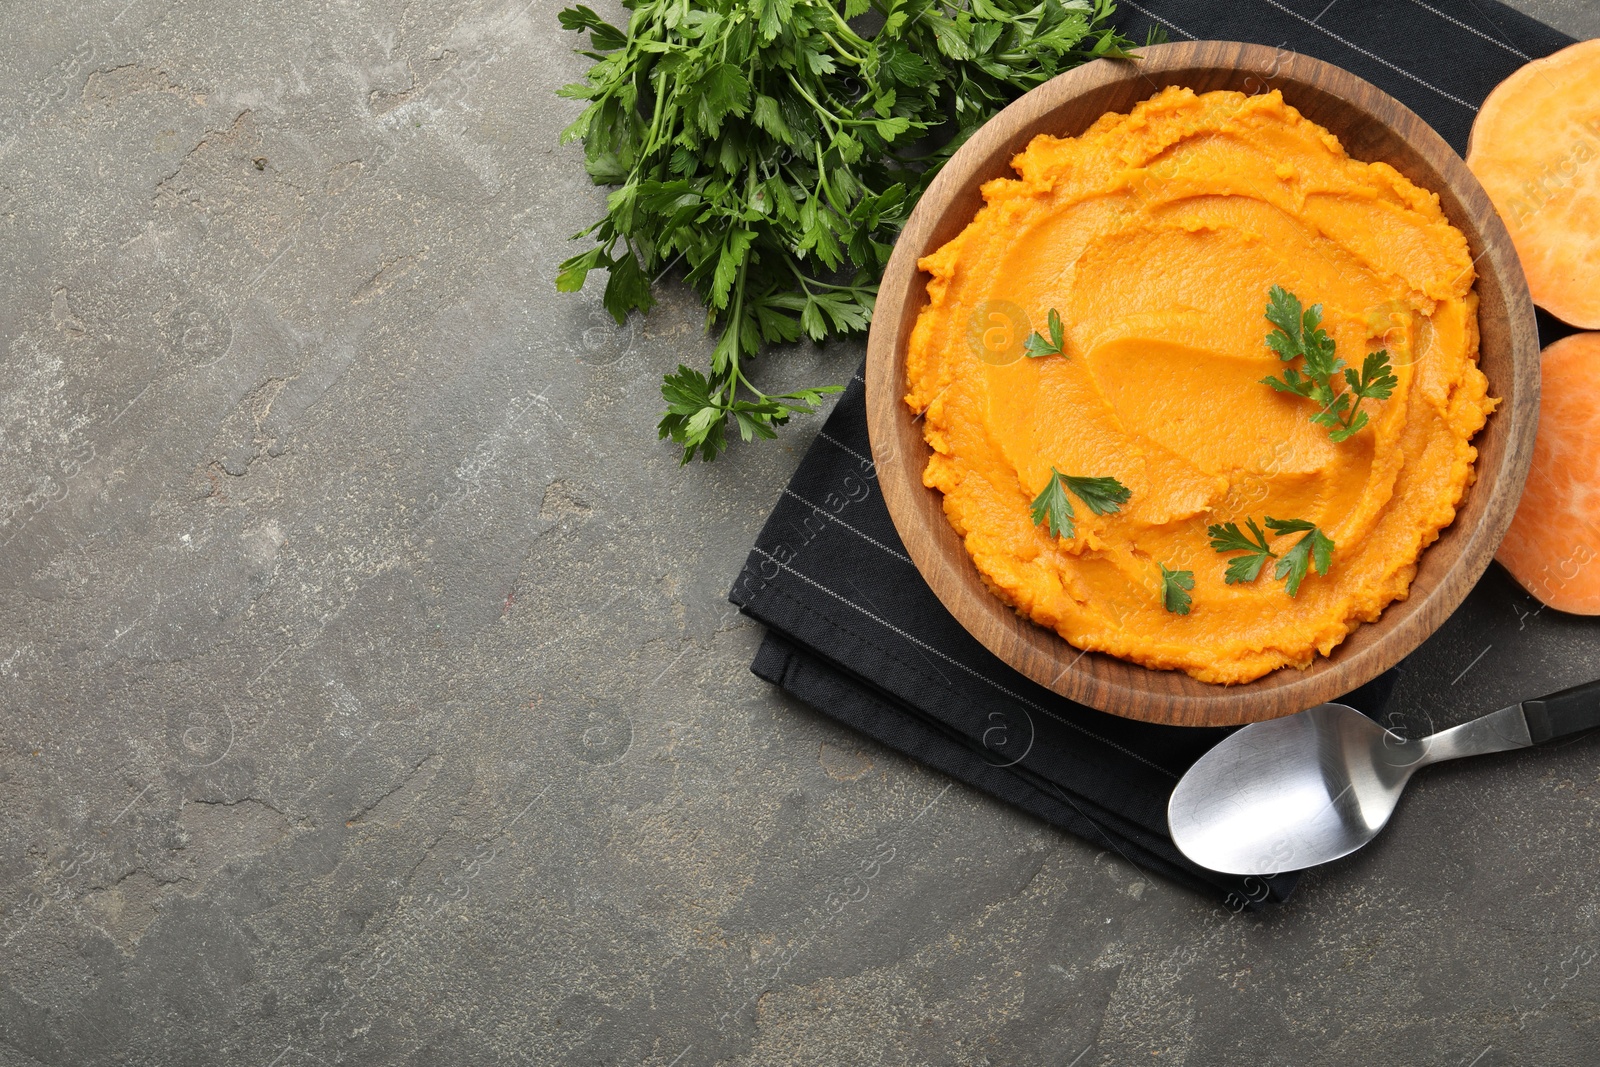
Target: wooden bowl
{"points": [[1372, 126]]}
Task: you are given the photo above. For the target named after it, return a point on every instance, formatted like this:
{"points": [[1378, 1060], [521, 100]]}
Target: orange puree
{"points": [[1157, 236]]}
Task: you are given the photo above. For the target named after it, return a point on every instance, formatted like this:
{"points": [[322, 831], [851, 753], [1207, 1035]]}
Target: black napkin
{"points": [[857, 634]]}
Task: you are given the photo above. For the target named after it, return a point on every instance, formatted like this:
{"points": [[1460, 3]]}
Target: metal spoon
{"points": [[1308, 788]]}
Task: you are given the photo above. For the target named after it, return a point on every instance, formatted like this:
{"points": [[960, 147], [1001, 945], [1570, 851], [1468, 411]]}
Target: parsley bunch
{"points": [[772, 150]]}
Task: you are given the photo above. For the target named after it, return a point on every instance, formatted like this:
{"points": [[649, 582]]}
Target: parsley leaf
{"points": [[1314, 550], [1227, 537], [1375, 382], [1175, 588], [1054, 508], [1103, 495], [768, 152], [691, 417], [1298, 334], [1037, 345]]}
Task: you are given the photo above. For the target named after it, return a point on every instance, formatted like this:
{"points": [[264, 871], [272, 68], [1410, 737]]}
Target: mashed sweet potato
{"points": [[1157, 236]]}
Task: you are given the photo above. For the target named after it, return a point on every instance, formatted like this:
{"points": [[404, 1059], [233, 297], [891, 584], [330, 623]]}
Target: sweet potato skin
{"points": [[1535, 147]]}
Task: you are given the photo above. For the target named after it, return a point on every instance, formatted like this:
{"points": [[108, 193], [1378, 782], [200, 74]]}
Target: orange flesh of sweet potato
{"points": [[1535, 147], [1553, 546]]}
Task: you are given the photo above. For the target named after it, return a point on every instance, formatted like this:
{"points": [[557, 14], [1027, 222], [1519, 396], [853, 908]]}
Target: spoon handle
{"points": [[1571, 711]]}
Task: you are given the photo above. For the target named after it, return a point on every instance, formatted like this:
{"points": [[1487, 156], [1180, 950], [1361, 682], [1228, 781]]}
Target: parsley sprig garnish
{"points": [[1313, 551], [1299, 335], [1175, 589], [1053, 507], [771, 150], [1039, 345], [1227, 537]]}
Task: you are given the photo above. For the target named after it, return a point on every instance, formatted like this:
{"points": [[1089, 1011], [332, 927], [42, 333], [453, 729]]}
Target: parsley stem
{"points": [[827, 190], [798, 276], [731, 384], [747, 385], [822, 113], [806, 281], [844, 53], [655, 122], [844, 26]]}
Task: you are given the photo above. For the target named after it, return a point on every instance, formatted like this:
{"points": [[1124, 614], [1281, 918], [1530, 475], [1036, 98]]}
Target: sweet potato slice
{"points": [[1536, 148], [1553, 546]]}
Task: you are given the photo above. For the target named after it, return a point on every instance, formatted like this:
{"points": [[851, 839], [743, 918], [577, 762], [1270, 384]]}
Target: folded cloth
{"points": [[856, 633], [1440, 58]]}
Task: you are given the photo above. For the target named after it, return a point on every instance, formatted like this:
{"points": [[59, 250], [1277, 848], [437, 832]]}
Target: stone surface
{"points": [[367, 689], [1578, 18]]}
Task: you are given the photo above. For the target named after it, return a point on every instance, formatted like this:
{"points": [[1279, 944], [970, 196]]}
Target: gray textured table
{"points": [[367, 690]]}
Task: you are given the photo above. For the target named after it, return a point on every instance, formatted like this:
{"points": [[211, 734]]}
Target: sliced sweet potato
{"points": [[1536, 148], [1553, 546]]}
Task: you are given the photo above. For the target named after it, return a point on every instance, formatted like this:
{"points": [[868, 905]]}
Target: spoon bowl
{"points": [[1312, 787]]}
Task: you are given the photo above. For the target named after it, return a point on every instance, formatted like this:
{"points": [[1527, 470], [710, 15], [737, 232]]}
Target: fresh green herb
{"points": [[1054, 508], [1175, 589], [771, 150], [692, 410], [1299, 335], [1038, 345], [1376, 382], [1227, 537], [1103, 495], [1314, 550]]}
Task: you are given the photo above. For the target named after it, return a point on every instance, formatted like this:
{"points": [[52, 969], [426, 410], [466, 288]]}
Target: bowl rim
{"points": [[1122, 687]]}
